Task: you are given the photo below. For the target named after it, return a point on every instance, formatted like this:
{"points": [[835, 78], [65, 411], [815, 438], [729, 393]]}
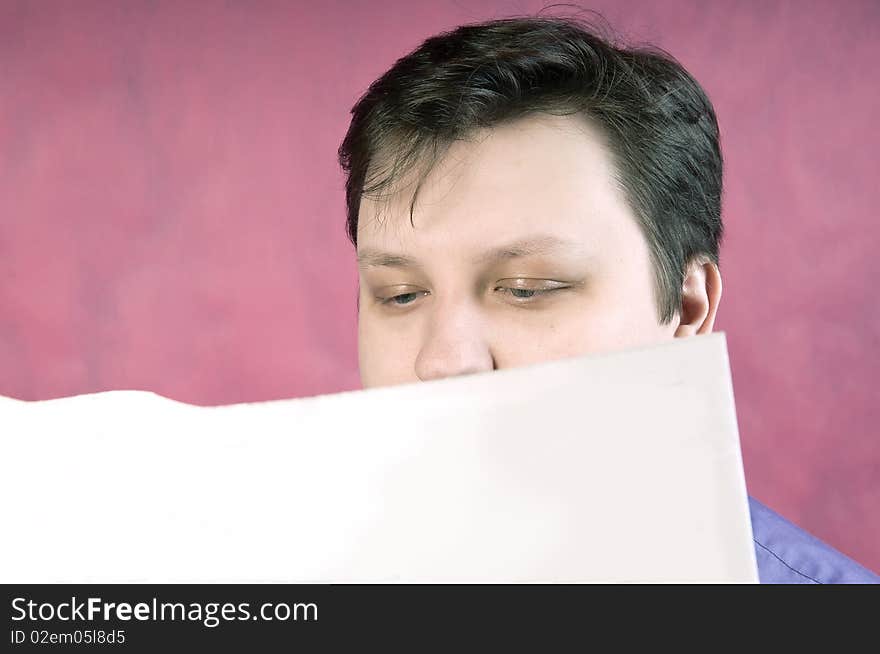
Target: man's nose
{"points": [[454, 344]]}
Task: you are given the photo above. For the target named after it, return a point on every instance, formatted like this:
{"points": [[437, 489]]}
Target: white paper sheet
{"points": [[621, 467]]}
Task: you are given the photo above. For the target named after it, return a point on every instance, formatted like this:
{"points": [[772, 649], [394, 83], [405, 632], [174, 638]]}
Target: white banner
{"points": [[622, 467]]}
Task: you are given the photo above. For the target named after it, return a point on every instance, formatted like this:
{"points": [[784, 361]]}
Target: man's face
{"points": [[524, 250]]}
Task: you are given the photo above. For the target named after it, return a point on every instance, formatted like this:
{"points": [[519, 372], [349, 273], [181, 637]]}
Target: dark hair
{"points": [[659, 125]]}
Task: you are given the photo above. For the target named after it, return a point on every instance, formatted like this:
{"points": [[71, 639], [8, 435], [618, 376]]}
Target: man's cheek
{"points": [[380, 364]]}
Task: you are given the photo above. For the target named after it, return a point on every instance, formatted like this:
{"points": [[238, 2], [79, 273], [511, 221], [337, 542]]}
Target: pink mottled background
{"points": [[172, 214]]}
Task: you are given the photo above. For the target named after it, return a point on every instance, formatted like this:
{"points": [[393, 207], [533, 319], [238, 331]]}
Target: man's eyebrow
{"points": [[371, 258], [539, 244]]}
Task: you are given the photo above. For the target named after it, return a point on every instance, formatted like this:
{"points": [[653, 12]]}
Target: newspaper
{"points": [[621, 467]]}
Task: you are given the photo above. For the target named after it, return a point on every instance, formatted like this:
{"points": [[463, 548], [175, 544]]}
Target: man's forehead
{"points": [[534, 192], [505, 156]]}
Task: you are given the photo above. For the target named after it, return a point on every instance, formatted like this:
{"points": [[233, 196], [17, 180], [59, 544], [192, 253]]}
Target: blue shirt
{"points": [[789, 555]]}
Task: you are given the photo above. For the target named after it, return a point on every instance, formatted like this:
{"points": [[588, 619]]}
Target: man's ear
{"points": [[700, 296]]}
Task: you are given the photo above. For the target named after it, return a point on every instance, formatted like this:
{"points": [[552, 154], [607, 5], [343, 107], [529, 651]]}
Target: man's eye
{"points": [[523, 294], [528, 293], [402, 300]]}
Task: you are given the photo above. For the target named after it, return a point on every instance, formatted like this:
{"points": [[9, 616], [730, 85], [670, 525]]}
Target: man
{"points": [[522, 190]]}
